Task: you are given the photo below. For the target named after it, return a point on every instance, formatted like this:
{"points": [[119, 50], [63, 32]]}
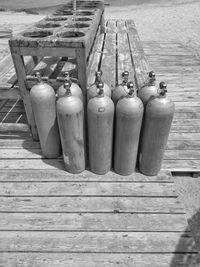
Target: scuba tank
{"points": [[158, 118], [43, 101], [121, 90], [129, 114], [148, 90], [92, 90], [75, 89], [70, 115], [100, 112]]}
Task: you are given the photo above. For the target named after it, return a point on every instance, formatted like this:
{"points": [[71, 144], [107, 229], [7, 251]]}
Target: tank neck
{"points": [[152, 81]]}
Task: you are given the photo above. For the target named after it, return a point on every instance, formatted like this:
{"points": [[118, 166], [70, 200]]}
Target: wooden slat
{"points": [[182, 154], [140, 62], [184, 136], [183, 145], [91, 204], [179, 165], [93, 222], [185, 128], [46, 67], [108, 63], [98, 260], [87, 189], [14, 127], [134, 242], [123, 53], [5, 65], [58, 175], [13, 117], [94, 60]]}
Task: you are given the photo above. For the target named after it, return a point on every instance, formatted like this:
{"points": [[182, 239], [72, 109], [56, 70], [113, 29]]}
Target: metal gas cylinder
{"points": [[75, 89], [129, 114], [121, 90], [148, 90], [100, 112], [43, 101], [92, 90], [158, 118], [70, 115]]}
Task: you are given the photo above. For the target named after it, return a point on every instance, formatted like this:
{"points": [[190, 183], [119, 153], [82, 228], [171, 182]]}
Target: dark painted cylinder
{"points": [[92, 90], [129, 114], [100, 112], [75, 89], [43, 101], [121, 90], [149, 90], [157, 123], [70, 115]]}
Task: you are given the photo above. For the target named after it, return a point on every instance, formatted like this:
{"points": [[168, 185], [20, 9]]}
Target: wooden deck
{"points": [[181, 70], [51, 218], [172, 63]]}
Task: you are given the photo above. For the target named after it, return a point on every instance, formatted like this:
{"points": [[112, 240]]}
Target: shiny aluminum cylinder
{"points": [[129, 114], [100, 112], [75, 89], [43, 101], [158, 118], [121, 90], [92, 90], [70, 115], [149, 90]]}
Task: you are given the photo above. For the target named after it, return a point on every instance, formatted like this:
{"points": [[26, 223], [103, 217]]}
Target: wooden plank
{"points": [[91, 204], [45, 67], [93, 222], [186, 128], [182, 154], [187, 115], [179, 165], [5, 65], [108, 62], [32, 164], [86, 176], [14, 127], [13, 117], [98, 260], [191, 109], [16, 136], [186, 122], [139, 59], [123, 53], [17, 143], [183, 145], [184, 136], [94, 60], [87, 189], [96, 242]]}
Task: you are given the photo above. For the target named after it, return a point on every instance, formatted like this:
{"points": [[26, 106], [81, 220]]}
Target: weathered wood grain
{"points": [[108, 61], [87, 189], [124, 61], [91, 204], [86, 176], [98, 260], [93, 222], [109, 242], [14, 127], [178, 165], [182, 154]]}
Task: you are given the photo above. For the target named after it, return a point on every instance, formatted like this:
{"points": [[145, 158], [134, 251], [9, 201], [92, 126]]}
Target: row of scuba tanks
{"points": [[122, 127]]}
